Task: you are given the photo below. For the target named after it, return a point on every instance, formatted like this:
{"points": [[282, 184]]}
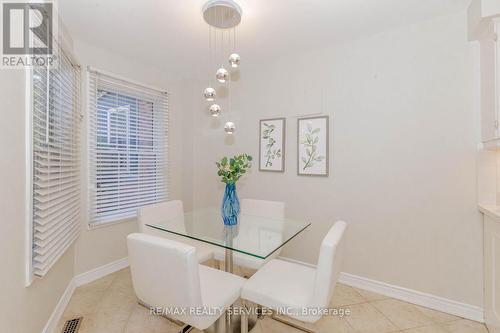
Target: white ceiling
{"points": [[172, 33]]}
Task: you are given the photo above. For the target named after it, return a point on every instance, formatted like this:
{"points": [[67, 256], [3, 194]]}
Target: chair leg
{"points": [[175, 321], [244, 317], [186, 328], [293, 323]]}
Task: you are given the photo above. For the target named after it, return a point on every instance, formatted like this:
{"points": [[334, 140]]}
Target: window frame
{"points": [[92, 131]]}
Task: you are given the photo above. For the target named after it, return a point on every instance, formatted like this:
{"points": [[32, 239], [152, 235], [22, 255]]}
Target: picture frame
{"points": [[272, 145], [313, 146]]}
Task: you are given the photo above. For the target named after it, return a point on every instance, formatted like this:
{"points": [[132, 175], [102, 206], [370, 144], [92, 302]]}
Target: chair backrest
{"points": [[165, 272], [259, 234], [329, 264], [263, 208], [166, 210]]}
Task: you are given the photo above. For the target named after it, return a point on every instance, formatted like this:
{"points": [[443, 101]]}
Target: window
{"points": [[127, 142], [55, 157]]}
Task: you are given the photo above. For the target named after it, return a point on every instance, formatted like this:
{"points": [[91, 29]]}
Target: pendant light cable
{"points": [[215, 38], [209, 53]]}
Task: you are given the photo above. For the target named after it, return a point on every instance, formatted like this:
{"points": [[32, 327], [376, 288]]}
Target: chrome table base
{"points": [[235, 323], [294, 323]]}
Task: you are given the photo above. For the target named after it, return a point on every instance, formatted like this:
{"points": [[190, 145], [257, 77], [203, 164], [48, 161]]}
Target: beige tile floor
{"points": [[109, 305]]}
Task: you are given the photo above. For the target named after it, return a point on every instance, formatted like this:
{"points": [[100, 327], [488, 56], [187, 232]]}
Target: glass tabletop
{"points": [[253, 235]]}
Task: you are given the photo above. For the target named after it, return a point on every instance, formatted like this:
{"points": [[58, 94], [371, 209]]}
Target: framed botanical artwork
{"points": [[272, 145], [312, 146]]}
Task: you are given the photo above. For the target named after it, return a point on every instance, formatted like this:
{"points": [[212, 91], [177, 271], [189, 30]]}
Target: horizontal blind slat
{"points": [[56, 168], [128, 126]]}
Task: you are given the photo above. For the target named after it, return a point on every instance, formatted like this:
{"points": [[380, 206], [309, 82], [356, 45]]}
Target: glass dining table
{"points": [[254, 236]]}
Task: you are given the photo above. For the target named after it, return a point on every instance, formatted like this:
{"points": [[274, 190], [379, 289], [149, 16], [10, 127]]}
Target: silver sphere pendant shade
{"points": [[229, 128], [222, 15], [222, 75], [234, 60], [209, 94], [214, 110]]}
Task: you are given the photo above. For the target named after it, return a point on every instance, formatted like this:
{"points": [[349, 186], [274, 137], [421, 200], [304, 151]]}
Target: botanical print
{"points": [[271, 151], [272, 148], [313, 146], [310, 145]]}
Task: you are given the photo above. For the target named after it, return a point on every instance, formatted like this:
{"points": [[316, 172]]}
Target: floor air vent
{"points": [[72, 325]]}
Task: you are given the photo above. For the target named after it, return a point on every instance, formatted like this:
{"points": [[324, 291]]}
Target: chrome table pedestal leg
{"points": [[228, 267], [244, 317], [237, 323], [228, 261]]}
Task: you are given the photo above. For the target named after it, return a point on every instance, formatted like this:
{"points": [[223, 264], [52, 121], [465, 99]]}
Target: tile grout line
{"points": [[434, 322], [389, 320], [82, 289], [125, 328], [366, 301]]}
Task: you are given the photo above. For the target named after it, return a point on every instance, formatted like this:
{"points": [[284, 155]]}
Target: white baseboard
{"points": [[411, 296], [416, 297], [100, 272], [408, 295], [56, 315], [77, 281]]}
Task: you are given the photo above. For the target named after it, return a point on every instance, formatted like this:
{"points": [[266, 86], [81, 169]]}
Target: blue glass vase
{"points": [[230, 205]]}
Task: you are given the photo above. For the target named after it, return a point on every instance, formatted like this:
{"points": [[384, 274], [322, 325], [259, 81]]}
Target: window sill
{"points": [[109, 223]]}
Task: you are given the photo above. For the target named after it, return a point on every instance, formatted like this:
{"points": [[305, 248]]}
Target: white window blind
{"points": [[55, 156], [127, 147]]}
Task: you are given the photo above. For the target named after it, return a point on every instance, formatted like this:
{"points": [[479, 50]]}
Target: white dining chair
{"points": [[281, 284], [253, 237], [173, 211], [166, 275]]}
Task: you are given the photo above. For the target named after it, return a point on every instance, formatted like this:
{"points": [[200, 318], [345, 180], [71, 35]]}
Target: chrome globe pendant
{"points": [[222, 75], [229, 128], [214, 110], [210, 94], [234, 60], [222, 17]]}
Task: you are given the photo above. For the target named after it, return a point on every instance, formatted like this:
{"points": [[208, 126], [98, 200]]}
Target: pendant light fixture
{"points": [[229, 128], [222, 75], [234, 60], [222, 17], [214, 110], [210, 94]]}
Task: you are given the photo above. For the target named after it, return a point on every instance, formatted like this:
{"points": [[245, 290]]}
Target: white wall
{"points": [[23, 309], [94, 247], [99, 246], [490, 7], [404, 134], [404, 130]]}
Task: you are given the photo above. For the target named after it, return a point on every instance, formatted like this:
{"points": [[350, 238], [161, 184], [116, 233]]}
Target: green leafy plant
{"points": [[271, 153], [232, 169], [311, 148]]}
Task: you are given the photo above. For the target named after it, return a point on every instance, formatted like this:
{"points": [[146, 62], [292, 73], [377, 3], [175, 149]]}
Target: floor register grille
{"points": [[72, 325]]}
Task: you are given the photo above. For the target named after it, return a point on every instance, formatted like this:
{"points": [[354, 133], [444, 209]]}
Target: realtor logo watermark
{"points": [[27, 34]]}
